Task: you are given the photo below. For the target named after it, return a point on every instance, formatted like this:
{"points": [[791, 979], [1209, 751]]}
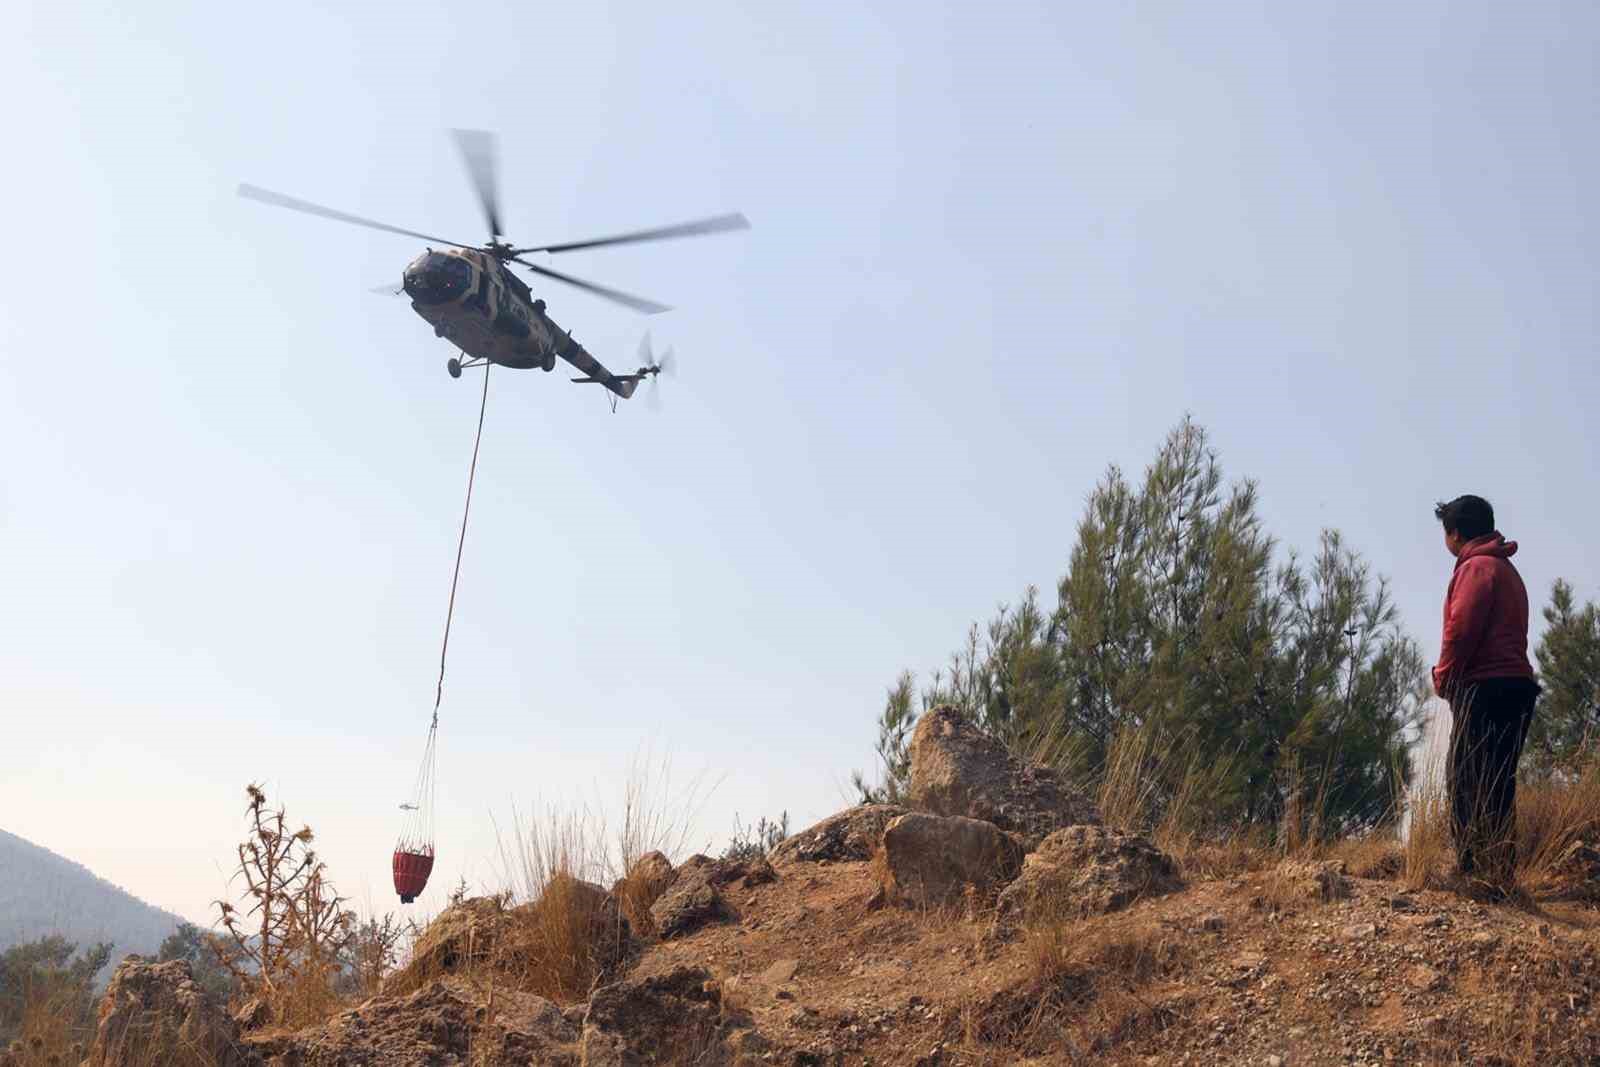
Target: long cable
{"points": [[461, 541]]}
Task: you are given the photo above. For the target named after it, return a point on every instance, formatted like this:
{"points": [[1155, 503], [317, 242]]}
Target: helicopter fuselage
{"points": [[471, 300]]}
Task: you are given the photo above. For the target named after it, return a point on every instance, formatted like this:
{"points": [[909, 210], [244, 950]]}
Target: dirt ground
{"points": [[1239, 970]]}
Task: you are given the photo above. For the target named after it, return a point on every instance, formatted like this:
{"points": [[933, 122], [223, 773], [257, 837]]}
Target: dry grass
{"points": [[565, 935], [51, 1033], [1554, 818], [1084, 989], [53, 1036], [1429, 855]]}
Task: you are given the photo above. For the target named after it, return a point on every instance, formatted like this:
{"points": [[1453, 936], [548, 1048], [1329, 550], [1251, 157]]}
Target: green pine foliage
{"points": [[1250, 679], [49, 976], [1568, 715]]}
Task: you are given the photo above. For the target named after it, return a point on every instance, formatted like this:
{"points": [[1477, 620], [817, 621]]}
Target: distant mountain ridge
{"points": [[42, 893]]}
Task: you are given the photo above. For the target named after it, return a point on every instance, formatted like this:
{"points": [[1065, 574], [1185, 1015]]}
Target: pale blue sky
{"points": [[995, 248]]}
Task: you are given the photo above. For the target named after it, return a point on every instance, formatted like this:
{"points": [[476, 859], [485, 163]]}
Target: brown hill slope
{"points": [[1289, 965]]}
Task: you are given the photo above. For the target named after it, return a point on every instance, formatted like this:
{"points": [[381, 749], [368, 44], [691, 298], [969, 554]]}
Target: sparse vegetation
{"points": [[289, 935], [755, 842]]}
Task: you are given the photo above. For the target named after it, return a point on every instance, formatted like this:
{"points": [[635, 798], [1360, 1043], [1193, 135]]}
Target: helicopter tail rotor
{"points": [[652, 367]]}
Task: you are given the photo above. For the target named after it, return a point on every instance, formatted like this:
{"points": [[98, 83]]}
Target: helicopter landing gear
{"points": [[456, 366]]}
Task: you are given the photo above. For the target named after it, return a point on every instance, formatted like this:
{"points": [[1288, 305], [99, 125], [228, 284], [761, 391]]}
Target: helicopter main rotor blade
{"points": [[697, 228], [637, 303], [478, 153], [267, 196]]}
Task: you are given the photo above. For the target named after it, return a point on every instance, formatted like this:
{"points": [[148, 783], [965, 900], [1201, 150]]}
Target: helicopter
{"points": [[468, 294]]}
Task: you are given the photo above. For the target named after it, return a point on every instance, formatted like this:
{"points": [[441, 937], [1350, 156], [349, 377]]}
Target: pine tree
{"points": [[1239, 687], [1568, 714]]}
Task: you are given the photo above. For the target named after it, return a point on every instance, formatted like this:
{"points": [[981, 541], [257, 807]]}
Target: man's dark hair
{"points": [[1468, 517]]}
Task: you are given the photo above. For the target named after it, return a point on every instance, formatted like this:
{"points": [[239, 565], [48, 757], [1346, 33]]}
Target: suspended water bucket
{"points": [[413, 853], [411, 869]]}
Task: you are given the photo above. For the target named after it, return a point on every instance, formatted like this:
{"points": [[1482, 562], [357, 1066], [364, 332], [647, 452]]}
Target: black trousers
{"points": [[1490, 723]]}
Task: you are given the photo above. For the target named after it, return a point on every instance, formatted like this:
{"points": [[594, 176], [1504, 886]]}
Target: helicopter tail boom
{"points": [[623, 385]]}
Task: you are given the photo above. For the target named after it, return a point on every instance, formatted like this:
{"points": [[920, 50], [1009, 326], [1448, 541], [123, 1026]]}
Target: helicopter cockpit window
{"points": [[435, 278]]}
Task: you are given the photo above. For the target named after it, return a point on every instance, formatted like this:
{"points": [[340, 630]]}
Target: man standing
{"points": [[1484, 673]]}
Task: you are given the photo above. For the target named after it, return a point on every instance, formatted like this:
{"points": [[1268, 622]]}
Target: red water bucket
{"points": [[411, 870]]}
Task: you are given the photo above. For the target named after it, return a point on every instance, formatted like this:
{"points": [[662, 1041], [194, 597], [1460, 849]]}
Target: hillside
{"points": [[992, 919], [42, 893]]}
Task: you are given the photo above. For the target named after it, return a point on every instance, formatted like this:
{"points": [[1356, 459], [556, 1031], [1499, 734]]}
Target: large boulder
{"points": [[1087, 870], [956, 769], [157, 1013], [853, 834], [446, 1021], [930, 860]]}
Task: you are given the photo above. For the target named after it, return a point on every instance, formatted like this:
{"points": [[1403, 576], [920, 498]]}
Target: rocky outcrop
{"points": [[444, 1022], [696, 895], [1088, 870], [956, 769], [853, 834], [152, 1009], [930, 860]]}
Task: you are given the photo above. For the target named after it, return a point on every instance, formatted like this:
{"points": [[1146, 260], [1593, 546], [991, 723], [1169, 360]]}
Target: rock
{"points": [[1212, 924], [1312, 880], [1359, 932], [781, 972], [445, 1022], [150, 1009], [932, 859], [851, 835], [958, 770], [649, 876], [678, 1017], [460, 936], [690, 902], [695, 896], [253, 1014], [1088, 870], [653, 873], [1423, 978]]}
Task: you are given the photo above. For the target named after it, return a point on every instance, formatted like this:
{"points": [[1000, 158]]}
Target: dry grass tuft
{"points": [[1378, 855], [1558, 829], [1558, 833], [1082, 991], [1429, 856]]}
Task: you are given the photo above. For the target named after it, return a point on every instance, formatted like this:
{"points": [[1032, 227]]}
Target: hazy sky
{"points": [[995, 248]]}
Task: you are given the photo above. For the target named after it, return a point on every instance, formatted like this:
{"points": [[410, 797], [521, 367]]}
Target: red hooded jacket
{"points": [[1485, 617]]}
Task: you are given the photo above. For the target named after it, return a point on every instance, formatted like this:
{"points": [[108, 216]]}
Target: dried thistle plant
{"points": [[289, 933]]}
